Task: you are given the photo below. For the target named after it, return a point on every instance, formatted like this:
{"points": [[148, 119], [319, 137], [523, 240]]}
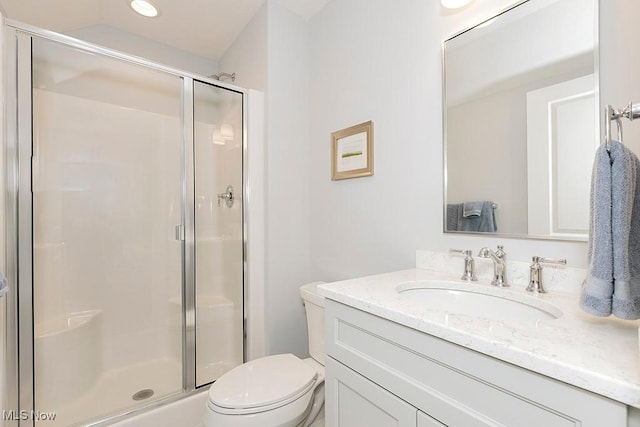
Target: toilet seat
{"points": [[261, 385]]}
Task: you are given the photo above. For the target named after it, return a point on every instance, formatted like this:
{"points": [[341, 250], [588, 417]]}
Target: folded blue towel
{"points": [[612, 285], [597, 289], [471, 209]]}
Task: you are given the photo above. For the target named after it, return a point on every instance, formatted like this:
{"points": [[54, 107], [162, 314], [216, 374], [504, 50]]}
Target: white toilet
{"points": [[275, 391]]}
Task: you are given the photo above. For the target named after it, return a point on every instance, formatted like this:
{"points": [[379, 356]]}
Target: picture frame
{"points": [[352, 152]]}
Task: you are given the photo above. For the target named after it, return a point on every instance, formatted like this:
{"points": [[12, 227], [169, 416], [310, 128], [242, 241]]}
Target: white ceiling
{"points": [[205, 28]]}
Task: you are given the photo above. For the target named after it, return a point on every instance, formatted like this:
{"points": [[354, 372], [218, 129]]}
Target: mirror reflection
{"points": [[521, 121]]}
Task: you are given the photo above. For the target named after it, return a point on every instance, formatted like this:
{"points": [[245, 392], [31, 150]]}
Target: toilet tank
{"points": [[314, 306]]}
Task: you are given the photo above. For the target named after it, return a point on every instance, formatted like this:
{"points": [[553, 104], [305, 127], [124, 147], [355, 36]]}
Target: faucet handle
{"points": [[469, 264], [535, 272], [558, 261], [465, 252]]}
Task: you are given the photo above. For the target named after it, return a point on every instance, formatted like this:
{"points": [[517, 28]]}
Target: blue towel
{"points": [[470, 209], [453, 213], [597, 289], [612, 285], [485, 222]]}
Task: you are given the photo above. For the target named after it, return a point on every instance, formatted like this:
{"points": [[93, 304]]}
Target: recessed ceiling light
{"points": [[144, 8], [454, 4]]}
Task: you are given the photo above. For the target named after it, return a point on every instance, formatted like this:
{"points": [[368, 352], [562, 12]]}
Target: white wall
{"points": [[247, 56], [370, 61], [132, 44], [620, 64], [288, 152]]}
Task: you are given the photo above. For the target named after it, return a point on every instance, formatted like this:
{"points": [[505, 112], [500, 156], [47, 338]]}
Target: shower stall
{"points": [[125, 231]]}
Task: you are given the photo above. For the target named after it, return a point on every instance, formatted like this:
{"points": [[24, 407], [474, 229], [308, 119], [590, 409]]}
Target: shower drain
{"points": [[142, 394]]}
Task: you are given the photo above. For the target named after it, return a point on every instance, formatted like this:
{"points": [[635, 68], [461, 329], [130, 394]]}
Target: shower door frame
{"points": [[20, 379]]}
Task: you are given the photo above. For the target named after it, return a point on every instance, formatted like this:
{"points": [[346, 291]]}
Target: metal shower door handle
{"points": [[227, 196]]}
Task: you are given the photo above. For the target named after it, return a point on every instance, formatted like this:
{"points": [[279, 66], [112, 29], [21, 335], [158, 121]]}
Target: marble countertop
{"points": [[597, 354]]}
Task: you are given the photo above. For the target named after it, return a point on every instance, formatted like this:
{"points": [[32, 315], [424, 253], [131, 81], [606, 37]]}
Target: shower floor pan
{"points": [[114, 392]]}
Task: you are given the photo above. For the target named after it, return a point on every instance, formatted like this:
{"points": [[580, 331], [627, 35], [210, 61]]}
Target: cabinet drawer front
{"points": [[353, 401], [455, 385]]}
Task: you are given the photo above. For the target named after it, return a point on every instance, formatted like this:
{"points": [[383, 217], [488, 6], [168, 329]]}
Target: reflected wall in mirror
{"points": [[521, 121]]}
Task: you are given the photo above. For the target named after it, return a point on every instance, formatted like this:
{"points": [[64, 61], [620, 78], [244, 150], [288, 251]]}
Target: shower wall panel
{"points": [[107, 199]]}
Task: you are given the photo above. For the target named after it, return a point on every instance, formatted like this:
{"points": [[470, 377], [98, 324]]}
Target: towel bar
{"points": [[631, 111]]}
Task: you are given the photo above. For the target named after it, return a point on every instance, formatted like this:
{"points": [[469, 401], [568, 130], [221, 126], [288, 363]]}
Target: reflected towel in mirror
{"points": [[484, 222], [470, 209]]}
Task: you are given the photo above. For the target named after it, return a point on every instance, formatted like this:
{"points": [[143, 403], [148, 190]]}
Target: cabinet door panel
{"points": [[425, 420], [354, 401]]}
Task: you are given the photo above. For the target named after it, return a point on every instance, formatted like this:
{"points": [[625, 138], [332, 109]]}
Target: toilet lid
{"points": [[262, 382]]}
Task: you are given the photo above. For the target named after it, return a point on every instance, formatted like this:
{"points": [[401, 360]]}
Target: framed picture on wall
{"points": [[352, 152]]}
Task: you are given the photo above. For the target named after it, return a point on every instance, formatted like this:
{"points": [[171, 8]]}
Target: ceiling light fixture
{"points": [[454, 4], [144, 8]]}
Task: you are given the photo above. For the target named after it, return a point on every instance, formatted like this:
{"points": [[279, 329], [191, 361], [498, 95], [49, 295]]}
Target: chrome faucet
{"points": [[499, 265], [469, 269], [535, 273]]}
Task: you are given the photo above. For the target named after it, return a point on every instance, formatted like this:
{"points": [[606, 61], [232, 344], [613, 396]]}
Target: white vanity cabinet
{"points": [[381, 373]]}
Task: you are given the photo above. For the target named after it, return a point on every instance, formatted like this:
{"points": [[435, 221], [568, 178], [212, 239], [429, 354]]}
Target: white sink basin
{"points": [[488, 303]]}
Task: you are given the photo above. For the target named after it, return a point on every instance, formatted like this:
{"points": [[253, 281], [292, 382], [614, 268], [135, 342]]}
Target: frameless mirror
{"points": [[521, 121]]}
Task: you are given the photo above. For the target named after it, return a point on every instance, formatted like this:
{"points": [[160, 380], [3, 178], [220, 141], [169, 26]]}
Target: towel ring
{"points": [[631, 112], [610, 115], [619, 127]]}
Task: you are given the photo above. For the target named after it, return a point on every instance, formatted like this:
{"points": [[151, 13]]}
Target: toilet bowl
{"points": [[277, 391]]}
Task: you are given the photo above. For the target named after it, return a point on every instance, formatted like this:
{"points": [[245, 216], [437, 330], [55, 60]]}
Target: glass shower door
{"points": [[107, 183], [218, 230]]}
